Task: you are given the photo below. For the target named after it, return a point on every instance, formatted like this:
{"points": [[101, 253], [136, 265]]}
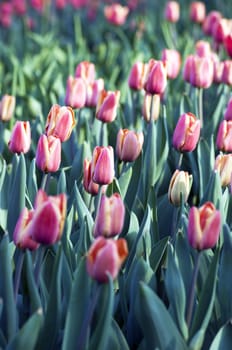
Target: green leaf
{"points": [[34, 297], [157, 253], [117, 340], [124, 181], [156, 323], [61, 185], [32, 181], [223, 338], [27, 336], [82, 209], [213, 191]]}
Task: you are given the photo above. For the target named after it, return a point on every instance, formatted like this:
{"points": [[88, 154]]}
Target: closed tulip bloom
{"points": [[75, 92], [156, 80], [110, 216], [116, 14], [147, 112], [202, 72], [203, 48], [228, 111], [179, 187], [129, 145], [209, 21], [48, 218], [48, 153], [106, 256], [204, 226], [227, 72], [223, 164], [221, 29], [86, 71], [173, 61], [197, 11], [22, 234], [7, 107], [90, 186], [172, 11], [60, 122], [228, 44], [224, 136], [107, 105], [93, 92], [137, 76], [20, 140], [186, 133], [188, 67], [103, 165], [218, 67]]}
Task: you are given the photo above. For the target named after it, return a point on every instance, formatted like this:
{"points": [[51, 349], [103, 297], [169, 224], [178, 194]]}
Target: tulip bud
{"points": [[110, 216], [228, 44], [209, 21], [217, 71], [86, 71], [221, 29], [106, 109], [20, 139], [116, 14], [103, 165], [204, 226], [188, 68], [224, 136], [156, 80], [173, 61], [106, 256], [227, 72], [228, 112], [202, 70], [48, 153], [7, 107], [60, 122], [223, 164], [48, 218], [197, 11], [186, 133], [179, 187], [93, 92], [172, 11], [203, 48], [90, 186], [148, 112], [21, 235], [129, 145], [137, 76], [75, 92]]}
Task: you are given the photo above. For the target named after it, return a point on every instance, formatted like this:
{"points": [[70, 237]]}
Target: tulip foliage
{"points": [[115, 175]]}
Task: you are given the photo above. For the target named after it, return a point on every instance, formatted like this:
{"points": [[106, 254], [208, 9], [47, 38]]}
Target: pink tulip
{"points": [[228, 111], [129, 145], [223, 164], [209, 21], [186, 133], [203, 48], [20, 140], [197, 11], [6, 10], [60, 122], [227, 72], [22, 235], [172, 11], [156, 80], [107, 105], [110, 216], [201, 73], [221, 29], [228, 44], [147, 112], [86, 71], [90, 186], [204, 226], [173, 62], [106, 256], [7, 107], [137, 76], [48, 153], [116, 14], [93, 92], [75, 92], [217, 72], [20, 7], [103, 165], [179, 187], [224, 136]]}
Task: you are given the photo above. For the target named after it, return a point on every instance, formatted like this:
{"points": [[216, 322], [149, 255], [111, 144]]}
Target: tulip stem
{"points": [[101, 141], [45, 181], [18, 271], [38, 263], [192, 290], [180, 161], [151, 108], [98, 200], [200, 105], [81, 343]]}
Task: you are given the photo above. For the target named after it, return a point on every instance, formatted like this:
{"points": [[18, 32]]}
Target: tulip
{"points": [[188, 67], [107, 104], [228, 111], [179, 187], [48, 153], [103, 165], [202, 70], [105, 257], [203, 48], [86, 71], [7, 107], [209, 21], [204, 226], [110, 216], [224, 136], [223, 164], [217, 71], [20, 7], [137, 76], [173, 61], [93, 92], [186, 133], [227, 72], [116, 14], [221, 29], [197, 11], [48, 218], [90, 186], [156, 80], [21, 235], [148, 112], [20, 139], [6, 10], [129, 145], [228, 44], [75, 92], [60, 122], [172, 11]]}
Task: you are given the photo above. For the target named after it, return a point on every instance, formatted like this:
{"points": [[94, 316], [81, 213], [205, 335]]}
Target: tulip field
{"points": [[115, 175]]}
